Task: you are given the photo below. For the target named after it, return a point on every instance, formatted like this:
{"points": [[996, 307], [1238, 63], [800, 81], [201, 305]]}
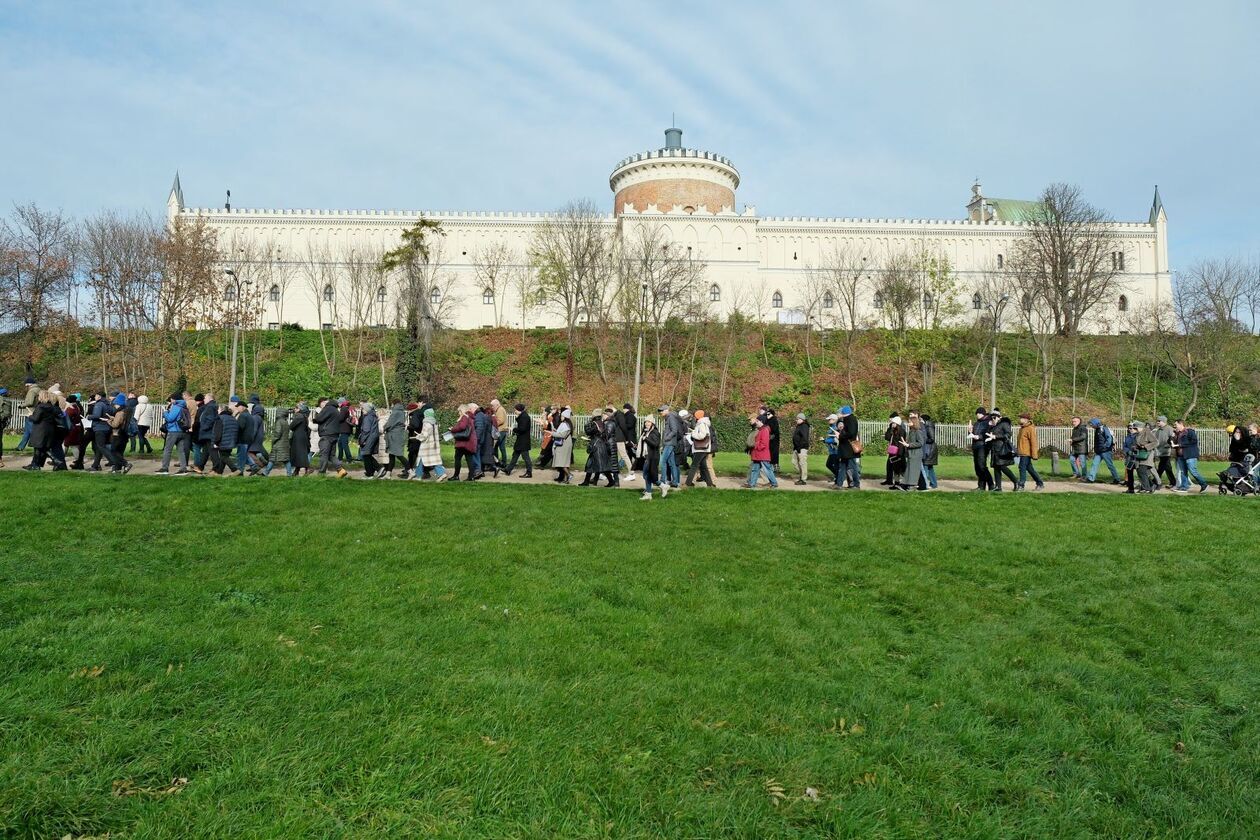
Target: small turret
{"points": [[174, 200]]}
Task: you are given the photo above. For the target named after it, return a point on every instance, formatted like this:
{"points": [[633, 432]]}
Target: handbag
{"points": [[464, 434], [856, 446], [893, 450]]}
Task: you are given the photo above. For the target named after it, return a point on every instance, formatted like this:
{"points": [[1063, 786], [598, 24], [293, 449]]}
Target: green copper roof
{"points": [[1013, 210]]}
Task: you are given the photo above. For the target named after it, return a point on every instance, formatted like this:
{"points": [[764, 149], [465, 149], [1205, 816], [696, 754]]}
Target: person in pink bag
{"points": [[895, 434]]}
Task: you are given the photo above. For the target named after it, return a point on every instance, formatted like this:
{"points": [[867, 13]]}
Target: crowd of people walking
{"points": [[668, 449]]}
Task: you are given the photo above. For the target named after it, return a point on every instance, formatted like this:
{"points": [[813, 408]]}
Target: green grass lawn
{"points": [[322, 659]]}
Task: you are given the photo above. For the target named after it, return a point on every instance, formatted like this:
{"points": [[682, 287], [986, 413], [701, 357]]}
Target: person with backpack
{"points": [[1001, 450], [1187, 448], [1104, 443], [176, 423], [701, 450], [849, 448], [1028, 451]]}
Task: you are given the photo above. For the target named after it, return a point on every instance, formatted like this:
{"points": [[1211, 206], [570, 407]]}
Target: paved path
{"points": [[148, 466]]}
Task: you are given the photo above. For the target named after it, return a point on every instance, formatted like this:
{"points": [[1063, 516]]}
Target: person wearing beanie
{"points": [[1001, 449], [849, 448], [522, 440], [701, 450], [1164, 452], [346, 422], [76, 435], [430, 451], [1126, 450], [145, 419], [831, 440], [800, 449], [562, 447], [979, 437], [895, 471], [1028, 451], [1104, 445], [328, 423], [281, 444], [176, 422], [1143, 454]]}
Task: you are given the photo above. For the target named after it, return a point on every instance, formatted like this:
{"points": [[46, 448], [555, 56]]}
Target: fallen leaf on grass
{"points": [[844, 730], [91, 672], [1179, 747], [775, 791], [498, 746], [812, 794], [866, 779], [126, 787], [285, 640]]}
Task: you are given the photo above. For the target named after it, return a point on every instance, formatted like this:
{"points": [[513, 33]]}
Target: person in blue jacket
{"points": [[1104, 443], [1186, 445], [176, 421]]}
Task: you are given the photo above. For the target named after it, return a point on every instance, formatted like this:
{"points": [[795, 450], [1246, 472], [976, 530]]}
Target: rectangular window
{"points": [[272, 325], [326, 326]]}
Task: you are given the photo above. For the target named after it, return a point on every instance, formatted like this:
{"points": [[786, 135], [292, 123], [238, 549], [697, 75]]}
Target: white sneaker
{"points": [[664, 490], [631, 478], [646, 497]]}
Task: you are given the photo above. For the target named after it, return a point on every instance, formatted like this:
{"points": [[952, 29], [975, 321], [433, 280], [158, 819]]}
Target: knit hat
{"points": [[996, 412], [1025, 416], [684, 413], [800, 417], [627, 406], [120, 399], [846, 410], [74, 398], [981, 410], [566, 414], [1230, 429], [831, 418], [30, 380], [3, 391], [254, 398], [699, 413], [1095, 422], [519, 406], [1161, 418], [429, 415]]}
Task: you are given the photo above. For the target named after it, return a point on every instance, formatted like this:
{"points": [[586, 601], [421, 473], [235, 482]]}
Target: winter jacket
{"points": [[328, 420], [596, 451], [800, 437], [1104, 440], [1026, 442], [1080, 440], [369, 431], [396, 431], [100, 414], [280, 437], [1146, 441], [146, 413], [523, 433], [931, 454], [1188, 444], [484, 425], [914, 454], [300, 439], [207, 416], [465, 423], [702, 437], [345, 425], [226, 430], [849, 432], [1001, 450], [430, 453], [44, 419], [562, 445], [170, 420], [74, 416], [1163, 440], [674, 430], [761, 449]]}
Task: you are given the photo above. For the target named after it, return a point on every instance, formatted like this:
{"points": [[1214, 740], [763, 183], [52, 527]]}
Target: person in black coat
{"points": [[979, 437], [772, 422], [415, 425], [522, 434], [596, 452], [650, 457], [203, 422], [345, 428], [483, 426], [328, 423], [1001, 449], [226, 432], [300, 439], [44, 418]]}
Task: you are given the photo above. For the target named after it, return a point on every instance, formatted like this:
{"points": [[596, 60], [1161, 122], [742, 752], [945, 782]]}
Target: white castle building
{"points": [[690, 194]]}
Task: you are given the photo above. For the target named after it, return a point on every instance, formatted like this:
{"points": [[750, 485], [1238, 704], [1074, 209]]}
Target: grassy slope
{"points": [[327, 658]]}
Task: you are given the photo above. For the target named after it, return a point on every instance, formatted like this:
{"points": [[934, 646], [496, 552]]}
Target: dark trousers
{"points": [[103, 449], [980, 461], [461, 456], [1146, 477], [395, 459], [203, 454], [413, 453], [82, 453], [222, 459], [343, 447], [141, 439], [1165, 467], [998, 472], [328, 454], [516, 453], [833, 465], [370, 466], [700, 462]]}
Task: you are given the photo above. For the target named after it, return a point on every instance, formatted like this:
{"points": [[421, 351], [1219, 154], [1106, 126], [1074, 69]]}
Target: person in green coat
{"points": [[280, 445]]}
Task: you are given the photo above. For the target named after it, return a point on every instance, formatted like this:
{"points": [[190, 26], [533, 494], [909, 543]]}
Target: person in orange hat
{"points": [[701, 450]]}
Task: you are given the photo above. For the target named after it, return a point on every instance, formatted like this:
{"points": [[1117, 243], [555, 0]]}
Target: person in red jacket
{"points": [[759, 454], [465, 434]]}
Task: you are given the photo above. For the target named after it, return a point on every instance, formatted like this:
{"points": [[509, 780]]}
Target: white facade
{"points": [[756, 263]]}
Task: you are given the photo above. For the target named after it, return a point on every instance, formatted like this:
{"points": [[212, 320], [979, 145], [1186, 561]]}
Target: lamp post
{"points": [[638, 359], [996, 309], [236, 325]]}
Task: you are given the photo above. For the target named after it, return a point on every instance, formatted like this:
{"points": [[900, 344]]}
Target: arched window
{"points": [[1123, 303], [435, 296], [928, 301], [380, 294], [1001, 261], [776, 300], [328, 293], [487, 296], [879, 300], [828, 300], [715, 294], [977, 302], [274, 293], [229, 292]]}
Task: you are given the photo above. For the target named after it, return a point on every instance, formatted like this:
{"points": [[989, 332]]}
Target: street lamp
{"points": [[236, 328], [996, 310], [638, 359]]}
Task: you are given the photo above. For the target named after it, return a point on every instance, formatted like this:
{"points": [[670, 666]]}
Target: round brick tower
{"points": [[674, 177]]}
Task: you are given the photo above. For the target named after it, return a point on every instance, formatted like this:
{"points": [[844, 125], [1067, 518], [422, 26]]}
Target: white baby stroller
{"points": [[1239, 479]]}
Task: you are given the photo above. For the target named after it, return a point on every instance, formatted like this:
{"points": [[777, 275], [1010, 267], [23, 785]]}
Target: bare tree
{"points": [[494, 267], [570, 253], [319, 274], [661, 277], [525, 286], [37, 260], [1068, 253], [843, 272], [897, 297], [188, 292]]}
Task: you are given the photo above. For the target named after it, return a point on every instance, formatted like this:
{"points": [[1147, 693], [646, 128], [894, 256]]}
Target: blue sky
{"points": [[828, 109]]}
